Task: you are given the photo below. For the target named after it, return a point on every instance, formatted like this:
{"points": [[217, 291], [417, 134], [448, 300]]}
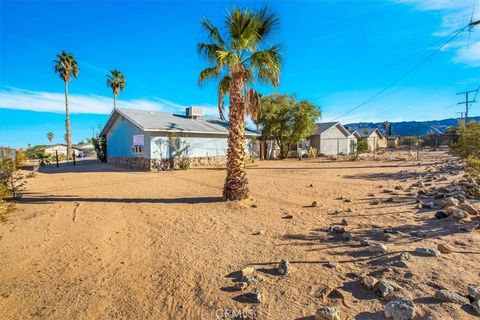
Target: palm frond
{"points": [[252, 102], [116, 81], [209, 73], [213, 33], [268, 22], [209, 50], [267, 63]]}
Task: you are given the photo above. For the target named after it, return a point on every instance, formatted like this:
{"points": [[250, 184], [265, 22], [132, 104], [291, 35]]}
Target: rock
{"points": [[254, 297], [369, 282], [425, 205], [387, 191], [419, 184], [469, 227], [364, 242], [344, 222], [443, 248], [287, 216], [375, 203], [468, 208], [336, 230], [391, 231], [347, 200], [283, 267], [249, 279], [314, 204], [332, 265], [241, 285], [248, 271], [311, 185], [441, 215], [474, 292], [476, 306], [347, 236], [428, 252], [405, 256], [389, 199], [351, 210], [400, 310], [448, 296], [371, 194], [398, 188], [377, 248], [456, 213], [253, 206], [384, 289], [450, 202], [327, 313]]}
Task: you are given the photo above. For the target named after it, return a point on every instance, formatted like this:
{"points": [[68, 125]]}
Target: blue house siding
{"points": [[198, 145], [120, 139]]}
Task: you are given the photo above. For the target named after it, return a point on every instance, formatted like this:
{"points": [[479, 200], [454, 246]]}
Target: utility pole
{"points": [[467, 102]]}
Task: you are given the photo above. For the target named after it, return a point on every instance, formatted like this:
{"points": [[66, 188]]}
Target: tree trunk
{"points": [[114, 100], [236, 183], [67, 122]]}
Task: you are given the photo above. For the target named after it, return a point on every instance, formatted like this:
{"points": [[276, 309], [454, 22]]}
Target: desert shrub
{"points": [[100, 145], [35, 152], [362, 146], [473, 165], [180, 152], [11, 181], [468, 142]]}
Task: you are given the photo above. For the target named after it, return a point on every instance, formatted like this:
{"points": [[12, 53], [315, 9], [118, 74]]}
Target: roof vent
{"points": [[194, 112]]}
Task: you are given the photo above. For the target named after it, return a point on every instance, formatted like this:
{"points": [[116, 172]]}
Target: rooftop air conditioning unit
{"points": [[194, 112]]}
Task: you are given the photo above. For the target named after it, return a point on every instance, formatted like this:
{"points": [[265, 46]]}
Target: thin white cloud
{"points": [[455, 15], [21, 99]]}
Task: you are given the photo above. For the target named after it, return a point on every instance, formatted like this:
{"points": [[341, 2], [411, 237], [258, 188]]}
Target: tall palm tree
{"points": [[50, 136], [116, 81], [66, 67], [237, 60]]}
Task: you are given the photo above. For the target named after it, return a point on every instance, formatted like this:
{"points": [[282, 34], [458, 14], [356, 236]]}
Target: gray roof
{"points": [[324, 126], [168, 122], [366, 132]]}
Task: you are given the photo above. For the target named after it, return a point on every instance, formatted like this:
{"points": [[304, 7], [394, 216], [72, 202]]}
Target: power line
{"points": [[410, 71]]}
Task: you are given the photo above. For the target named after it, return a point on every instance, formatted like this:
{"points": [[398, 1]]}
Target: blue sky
{"points": [[336, 54]]}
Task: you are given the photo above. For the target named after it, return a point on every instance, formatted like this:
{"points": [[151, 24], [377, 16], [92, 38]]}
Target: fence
{"points": [[7, 153]]}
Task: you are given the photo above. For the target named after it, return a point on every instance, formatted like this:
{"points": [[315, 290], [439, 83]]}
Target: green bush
{"points": [[11, 181], [468, 142], [362, 146]]}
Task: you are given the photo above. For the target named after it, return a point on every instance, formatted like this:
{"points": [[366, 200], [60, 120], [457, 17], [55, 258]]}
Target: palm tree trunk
{"points": [[67, 121], [236, 183], [114, 100]]}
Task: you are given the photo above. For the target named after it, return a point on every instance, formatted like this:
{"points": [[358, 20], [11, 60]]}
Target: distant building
{"points": [[60, 148], [142, 140], [331, 138], [374, 138], [87, 149], [8, 153]]}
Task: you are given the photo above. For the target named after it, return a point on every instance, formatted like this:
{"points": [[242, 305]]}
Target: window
{"points": [[137, 149]]}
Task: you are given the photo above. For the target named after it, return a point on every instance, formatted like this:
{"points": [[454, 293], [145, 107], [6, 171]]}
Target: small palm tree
{"points": [[237, 60], [386, 125], [116, 81], [66, 67], [50, 136]]}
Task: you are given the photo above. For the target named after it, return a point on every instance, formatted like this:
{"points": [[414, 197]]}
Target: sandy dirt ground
{"points": [[97, 242]]}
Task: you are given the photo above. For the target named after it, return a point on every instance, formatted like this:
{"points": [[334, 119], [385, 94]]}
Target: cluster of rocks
{"points": [[472, 298]]}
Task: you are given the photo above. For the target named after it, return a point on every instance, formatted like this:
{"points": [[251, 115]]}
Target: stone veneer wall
{"points": [[144, 164]]}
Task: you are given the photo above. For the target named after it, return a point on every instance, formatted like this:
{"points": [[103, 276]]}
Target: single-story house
{"points": [[61, 149], [331, 138], [152, 140], [375, 139]]}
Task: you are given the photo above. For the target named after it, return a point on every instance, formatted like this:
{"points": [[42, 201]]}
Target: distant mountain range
{"points": [[411, 128]]}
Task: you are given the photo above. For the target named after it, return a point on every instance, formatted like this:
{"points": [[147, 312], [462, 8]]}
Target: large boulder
{"points": [[449, 296]]}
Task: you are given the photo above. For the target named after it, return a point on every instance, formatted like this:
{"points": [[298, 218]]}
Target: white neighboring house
{"points": [[142, 140], [61, 149], [331, 138]]}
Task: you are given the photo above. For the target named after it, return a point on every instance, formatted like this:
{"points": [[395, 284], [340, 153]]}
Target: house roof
{"points": [[354, 132], [367, 132], [324, 126], [167, 122], [58, 145]]}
